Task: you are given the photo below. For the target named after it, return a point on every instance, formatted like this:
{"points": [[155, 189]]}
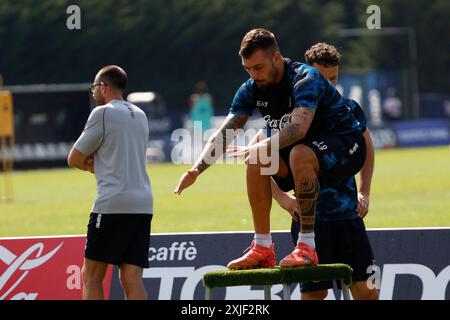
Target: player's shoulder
{"points": [[98, 111], [246, 89], [133, 106], [135, 109], [119, 104], [302, 73], [248, 85], [296, 68], [115, 109]]}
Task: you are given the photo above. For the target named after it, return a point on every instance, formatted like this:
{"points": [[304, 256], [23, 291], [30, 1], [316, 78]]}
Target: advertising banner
{"points": [[420, 133], [47, 268], [383, 138], [409, 264]]}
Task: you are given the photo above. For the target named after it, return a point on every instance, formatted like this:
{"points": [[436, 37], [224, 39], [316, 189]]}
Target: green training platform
{"points": [[270, 276]]}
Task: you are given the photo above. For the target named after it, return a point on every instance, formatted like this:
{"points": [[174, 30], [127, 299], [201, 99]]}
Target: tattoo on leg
{"points": [[307, 192]]}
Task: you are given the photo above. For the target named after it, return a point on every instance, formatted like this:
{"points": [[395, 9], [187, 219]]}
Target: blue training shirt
{"points": [[302, 86]]}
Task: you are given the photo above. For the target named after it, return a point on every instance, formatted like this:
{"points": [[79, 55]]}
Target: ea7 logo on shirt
{"points": [[263, 104], [353, 150]]}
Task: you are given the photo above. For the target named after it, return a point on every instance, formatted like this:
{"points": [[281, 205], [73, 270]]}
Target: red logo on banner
{"points": [[43, 268]]}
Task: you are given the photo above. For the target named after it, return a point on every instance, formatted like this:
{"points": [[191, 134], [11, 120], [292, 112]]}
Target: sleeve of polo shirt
{"points": [[93, 133]]}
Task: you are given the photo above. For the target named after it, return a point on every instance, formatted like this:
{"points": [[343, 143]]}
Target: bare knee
{"points": [[314, 295], [303, 159], [129, 281], [130, 278], [93, 273]]}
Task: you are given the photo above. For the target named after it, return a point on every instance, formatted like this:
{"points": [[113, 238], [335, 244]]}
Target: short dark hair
{"points": [[323, 54], [114, 76], [258, 39]]}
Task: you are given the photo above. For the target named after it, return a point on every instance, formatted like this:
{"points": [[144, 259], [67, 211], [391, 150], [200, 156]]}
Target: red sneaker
{"points": [[256, 257], [303, 255]]}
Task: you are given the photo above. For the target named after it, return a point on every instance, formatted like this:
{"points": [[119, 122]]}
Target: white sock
{"points": [[307, 238], [263, 239]]}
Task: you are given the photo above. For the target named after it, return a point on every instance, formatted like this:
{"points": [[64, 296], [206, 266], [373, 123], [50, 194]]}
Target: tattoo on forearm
{"points": [[236, 122], [306, 115], [289, 135], [218, 143], [301, 119], [307, 192]]}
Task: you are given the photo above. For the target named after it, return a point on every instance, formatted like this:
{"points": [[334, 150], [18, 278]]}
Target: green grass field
{"points": [[411, 188]]}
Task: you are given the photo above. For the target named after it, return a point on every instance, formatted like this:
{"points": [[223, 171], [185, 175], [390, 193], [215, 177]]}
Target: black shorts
{"points": [[342, 241], [340, 157], [119, 238]]}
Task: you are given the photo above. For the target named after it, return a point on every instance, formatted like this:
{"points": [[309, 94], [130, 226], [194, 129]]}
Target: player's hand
{"points": [[186, 180], [89, 163], [246, 152], [236, 151], [289, 203], [363, 204]]}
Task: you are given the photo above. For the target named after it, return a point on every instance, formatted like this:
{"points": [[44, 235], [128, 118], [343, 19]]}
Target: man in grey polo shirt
{"points": [[113, 146]]}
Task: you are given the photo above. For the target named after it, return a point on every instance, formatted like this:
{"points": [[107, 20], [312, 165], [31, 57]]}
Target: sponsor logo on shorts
{"points": [[98, 221], [353, 150]]}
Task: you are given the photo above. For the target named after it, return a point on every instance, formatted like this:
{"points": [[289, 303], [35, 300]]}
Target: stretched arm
{"points": [[219, 142], [365, 177], [215, 147]]}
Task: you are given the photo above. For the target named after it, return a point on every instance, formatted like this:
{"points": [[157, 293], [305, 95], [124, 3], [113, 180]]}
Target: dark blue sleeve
{"points": [[308, 87], [358, 112], [243, 101]]}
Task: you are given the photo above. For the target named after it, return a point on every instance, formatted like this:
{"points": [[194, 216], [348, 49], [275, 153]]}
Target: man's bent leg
{"points": [[305, 166], [93, 274], [130, 277]]}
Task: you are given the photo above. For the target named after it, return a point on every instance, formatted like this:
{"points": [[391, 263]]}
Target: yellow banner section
{"points": [[6, 114]]}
